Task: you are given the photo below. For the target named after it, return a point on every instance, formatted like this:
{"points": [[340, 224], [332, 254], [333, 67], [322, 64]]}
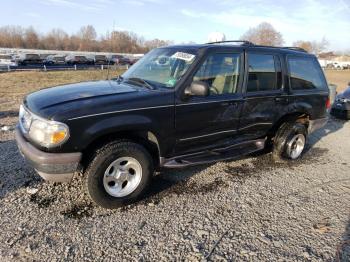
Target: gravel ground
{"points": [[246, 210]]}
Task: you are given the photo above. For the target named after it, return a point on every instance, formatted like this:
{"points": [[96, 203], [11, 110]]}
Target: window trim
{"points": [[260, 92], [225, 96], [315, 61]]}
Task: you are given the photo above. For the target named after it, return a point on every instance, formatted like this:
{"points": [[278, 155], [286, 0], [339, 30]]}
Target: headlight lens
{"points": [[45, 132]]}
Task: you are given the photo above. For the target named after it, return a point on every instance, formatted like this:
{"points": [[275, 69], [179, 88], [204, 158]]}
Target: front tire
{"points": [[289, 142], [119, 174]]}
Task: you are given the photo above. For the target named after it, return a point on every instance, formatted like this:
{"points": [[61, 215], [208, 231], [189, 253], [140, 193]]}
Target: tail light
{"points": [[328, 103]]}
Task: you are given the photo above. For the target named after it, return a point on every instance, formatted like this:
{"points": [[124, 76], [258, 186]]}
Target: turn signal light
{"points": [[58, 137]]}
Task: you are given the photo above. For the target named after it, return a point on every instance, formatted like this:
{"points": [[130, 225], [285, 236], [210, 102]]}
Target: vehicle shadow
{"points": [[14, 172], [333, 125], [176, 181], [343, 250]]}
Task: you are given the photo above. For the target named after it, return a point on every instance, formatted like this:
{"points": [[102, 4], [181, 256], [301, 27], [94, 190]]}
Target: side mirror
{"points": [[197, 88]]}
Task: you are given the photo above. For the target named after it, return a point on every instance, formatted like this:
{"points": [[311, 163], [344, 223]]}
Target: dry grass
{"points": [[14, 85], [339, 78]]}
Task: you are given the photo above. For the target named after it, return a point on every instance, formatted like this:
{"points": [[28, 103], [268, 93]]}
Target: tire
{"points": [[113, 177], [289, 142]]}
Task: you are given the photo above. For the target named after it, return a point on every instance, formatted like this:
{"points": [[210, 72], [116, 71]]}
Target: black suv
{"points": [[178, 106]]}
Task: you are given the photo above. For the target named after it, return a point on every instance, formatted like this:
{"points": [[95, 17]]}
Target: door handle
{"points": [[281, 99]]}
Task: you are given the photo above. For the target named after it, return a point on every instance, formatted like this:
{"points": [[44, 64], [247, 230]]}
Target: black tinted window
{"points": [[220, 72], [305, 73], [264, 73]]}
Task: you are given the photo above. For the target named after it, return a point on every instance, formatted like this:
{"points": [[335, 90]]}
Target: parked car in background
{"points": [[341, 106], [29, 59], [77, 59], [7, 60], [120, 60], [55, 60], [44, 56], [339, 65], [134, 60], [100, 60]]}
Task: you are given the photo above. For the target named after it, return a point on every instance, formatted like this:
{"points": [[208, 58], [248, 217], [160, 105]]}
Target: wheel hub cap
{"points": [[296, 146], [122, 176]]}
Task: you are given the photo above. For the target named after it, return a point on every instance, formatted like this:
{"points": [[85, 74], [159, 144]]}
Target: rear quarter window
{"points": [[305, 73]]}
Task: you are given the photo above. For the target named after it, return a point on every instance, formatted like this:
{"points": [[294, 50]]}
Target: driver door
{"points": [[211, 121]]}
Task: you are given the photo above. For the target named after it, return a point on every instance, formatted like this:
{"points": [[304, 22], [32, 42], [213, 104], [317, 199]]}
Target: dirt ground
{"points": [[247, 210], [341, 78]]}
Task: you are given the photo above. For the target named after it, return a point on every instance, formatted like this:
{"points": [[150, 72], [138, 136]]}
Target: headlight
{"points": [[45, 132]]}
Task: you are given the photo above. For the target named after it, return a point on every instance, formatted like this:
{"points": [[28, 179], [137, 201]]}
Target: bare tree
{"points": [[306, 45], [263, 34], [31, 38], [315, 47], [85, 40], [88, 35]]}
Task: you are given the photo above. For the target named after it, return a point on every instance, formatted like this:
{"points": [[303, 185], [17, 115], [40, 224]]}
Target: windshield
{"points": [[163, 66]]}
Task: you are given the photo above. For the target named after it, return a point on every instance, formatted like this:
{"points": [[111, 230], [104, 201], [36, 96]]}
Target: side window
{"points": [[305, 73], [220, 72], [264, 73]]}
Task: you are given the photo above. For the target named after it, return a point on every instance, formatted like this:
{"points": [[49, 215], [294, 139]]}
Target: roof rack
{"points": [[248, 43], [244, 42], [295, 48]]}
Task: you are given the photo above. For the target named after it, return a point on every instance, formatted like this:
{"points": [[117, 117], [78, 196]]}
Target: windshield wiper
{"points": [[118, 78], [141, 81]]}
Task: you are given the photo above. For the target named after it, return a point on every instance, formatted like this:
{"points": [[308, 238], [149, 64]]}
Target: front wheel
{"points": [[289, 142], [119, 174]]}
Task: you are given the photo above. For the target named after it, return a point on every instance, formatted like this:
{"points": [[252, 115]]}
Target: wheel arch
{"points": [[146, 138], [299, 116]]}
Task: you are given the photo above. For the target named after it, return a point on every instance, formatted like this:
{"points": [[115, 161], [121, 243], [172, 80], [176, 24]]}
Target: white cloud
{"points": [[308, 20], [142, 2], [93, 5]]}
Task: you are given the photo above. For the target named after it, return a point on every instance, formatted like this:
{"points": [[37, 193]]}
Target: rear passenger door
{"points": [[264, 98]]}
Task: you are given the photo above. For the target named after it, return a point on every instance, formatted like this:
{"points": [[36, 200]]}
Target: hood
{"points": [[62, 96], [345, 94]]}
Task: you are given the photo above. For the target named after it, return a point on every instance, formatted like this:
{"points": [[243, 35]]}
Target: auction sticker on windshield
{"points": [[184, 56]]}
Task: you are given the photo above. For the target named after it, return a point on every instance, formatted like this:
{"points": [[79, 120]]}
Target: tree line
{"points": [[86, 39], [266, 34]]}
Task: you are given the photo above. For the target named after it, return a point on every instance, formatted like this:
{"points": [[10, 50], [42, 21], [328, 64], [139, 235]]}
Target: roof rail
{"points": [[244, 42], [295, 48], [248, 43]]}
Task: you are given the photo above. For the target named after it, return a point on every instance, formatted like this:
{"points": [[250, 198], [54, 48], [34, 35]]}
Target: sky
{"points": [[188, 20]]}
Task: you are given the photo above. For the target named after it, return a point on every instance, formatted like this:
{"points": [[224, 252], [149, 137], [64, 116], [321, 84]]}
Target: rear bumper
{"points": [[317, 124], [57, 167]]}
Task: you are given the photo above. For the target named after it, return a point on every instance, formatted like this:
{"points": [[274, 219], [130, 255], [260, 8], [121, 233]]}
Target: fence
{"points": [[60, 67]]}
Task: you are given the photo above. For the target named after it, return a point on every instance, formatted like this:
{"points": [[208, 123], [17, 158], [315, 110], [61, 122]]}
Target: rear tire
{"points": [[289, 142], [119, 174]]}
